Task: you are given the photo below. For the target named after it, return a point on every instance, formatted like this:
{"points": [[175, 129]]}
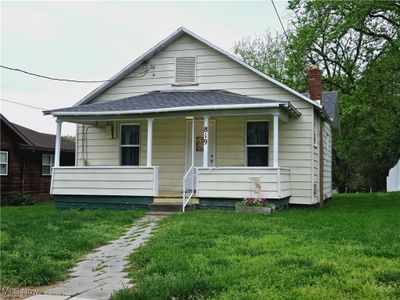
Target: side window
{"points": [[47, 163], [257, 143], [130, 145], [3, 163], [315, 134]]}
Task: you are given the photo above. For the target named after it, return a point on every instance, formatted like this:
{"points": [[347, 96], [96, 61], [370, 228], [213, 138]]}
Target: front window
{"points": [[3, 162], [257, 144], [130, 144], [47, 163]]}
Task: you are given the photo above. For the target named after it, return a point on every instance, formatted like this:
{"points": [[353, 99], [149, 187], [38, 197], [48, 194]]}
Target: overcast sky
{"points": [[94, 40]]}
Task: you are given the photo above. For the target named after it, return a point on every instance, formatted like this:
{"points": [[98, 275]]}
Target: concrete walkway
{"points": [[102, 272]]}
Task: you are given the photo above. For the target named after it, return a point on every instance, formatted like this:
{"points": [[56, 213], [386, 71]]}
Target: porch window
{"points": [[47, 163], [3, 162], [257, 143], [130, 145]]}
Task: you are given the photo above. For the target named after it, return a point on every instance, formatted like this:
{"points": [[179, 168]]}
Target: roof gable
{"points": [[165, 43]]}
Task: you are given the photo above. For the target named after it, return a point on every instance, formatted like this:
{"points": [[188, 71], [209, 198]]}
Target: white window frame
{"points": [[51, 165], [195, 72], [5, 163], [257, 145], [130, 145], [315, 133]]}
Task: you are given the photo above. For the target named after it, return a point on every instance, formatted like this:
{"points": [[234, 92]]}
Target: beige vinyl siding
{"points": [[94, 148], [169, 141], [294, 148], [327, 161], [214, 71], [315, 154], [168, 149]]}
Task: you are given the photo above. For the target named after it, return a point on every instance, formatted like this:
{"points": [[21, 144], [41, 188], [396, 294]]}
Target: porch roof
{"points": [[174, 101]]}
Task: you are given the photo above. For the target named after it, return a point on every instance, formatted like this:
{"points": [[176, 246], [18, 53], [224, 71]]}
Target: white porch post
{"points": [[205, 152], [58, 144], [149, 142], [276, 140], [193, 143]]}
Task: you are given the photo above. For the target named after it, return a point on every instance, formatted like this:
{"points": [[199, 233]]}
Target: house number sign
{"points": [[205, 135]]}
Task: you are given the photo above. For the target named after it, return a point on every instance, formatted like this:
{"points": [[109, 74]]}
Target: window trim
{"points": [[126, 146], [51, 165], [6, 163], [258, 145], [315, 134], [195, 72]]}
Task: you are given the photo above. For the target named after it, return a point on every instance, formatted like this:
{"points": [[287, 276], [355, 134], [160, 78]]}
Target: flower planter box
{"points": [[255, 209]]}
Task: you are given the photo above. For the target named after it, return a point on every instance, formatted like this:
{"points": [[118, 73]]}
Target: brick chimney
{"points": [[314, 78]]}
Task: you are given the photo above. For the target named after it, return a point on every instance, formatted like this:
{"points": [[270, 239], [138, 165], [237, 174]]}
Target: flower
{"points": [[255, 202]]}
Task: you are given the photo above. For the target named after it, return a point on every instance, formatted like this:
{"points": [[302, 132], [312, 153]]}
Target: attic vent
{"points": [[185, 70]]}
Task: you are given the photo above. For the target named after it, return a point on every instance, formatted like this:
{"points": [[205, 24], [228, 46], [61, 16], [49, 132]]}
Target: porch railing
{"points": [[189, 186], [241, 182], [105, 181]]}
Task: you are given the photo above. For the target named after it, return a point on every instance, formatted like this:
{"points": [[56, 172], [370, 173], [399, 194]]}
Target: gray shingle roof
{"points": [[329, 102], [37, 140], [168, 99]]}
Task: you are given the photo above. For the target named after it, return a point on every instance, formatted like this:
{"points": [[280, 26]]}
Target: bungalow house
{"points": [[26, 159], [188, 122]]}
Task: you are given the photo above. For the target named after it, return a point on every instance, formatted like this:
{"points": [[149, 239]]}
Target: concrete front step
{"points": [[174, 199], [170, 206]]}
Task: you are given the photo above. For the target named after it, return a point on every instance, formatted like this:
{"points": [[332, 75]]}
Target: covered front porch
{"points": [[194, 154]]}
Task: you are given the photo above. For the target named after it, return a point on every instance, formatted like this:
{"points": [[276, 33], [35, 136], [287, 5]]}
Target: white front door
{"points": [[199, 143]]}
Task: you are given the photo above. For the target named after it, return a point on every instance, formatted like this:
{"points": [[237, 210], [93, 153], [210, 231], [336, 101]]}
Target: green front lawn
{"points": [[348, 249], [39, 244]]}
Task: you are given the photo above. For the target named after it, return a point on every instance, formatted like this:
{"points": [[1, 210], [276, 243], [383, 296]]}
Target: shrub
{"points": [[17, 200]]}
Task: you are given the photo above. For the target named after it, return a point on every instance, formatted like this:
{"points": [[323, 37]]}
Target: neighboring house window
{"points": [[257, 143], [185, 70], [47, 163], [130, 145], [4, 163]]}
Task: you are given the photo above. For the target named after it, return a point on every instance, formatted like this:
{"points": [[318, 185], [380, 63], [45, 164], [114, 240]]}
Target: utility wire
{"points": [[73, 80], [22, 104], [280, 21], [51, 78]]}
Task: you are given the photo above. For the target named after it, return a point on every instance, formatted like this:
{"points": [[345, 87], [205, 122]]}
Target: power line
{"points": [[145, 71], [22, 104], [280, 21], [51, 78]]}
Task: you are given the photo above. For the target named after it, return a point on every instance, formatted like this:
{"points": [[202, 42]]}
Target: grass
{"points": [[349, 249], [39, 244]]}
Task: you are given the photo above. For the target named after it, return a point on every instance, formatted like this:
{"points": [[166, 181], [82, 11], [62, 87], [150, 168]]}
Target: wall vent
{"points": [[185, 70]]}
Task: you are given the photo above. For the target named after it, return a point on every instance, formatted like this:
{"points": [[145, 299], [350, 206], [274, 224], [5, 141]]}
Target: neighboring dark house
{"points": [[26, 159]]}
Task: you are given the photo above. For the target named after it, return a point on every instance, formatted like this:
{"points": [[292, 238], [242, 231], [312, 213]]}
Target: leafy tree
{"points": [[268, 53], [342, 37], [71, 138], [369, 144], [356, 44]]}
